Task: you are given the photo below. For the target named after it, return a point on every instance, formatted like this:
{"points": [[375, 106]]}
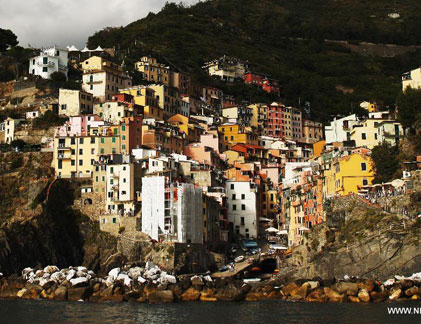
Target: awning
{"points": [[271, 230], [282, 232]]}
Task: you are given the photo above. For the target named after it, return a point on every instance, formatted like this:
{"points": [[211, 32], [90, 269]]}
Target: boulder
{"points": [[51, 269], [190, 294], [333, 296], [347, 288], [161, 297], [75, 294], [379, 296], [300, 293], [254, 296], [412, 291], [208, 294], [286, 290], [312, 284], [395, 293], [113, 299], [368, 284], [79, 282], [354, 299], [230, 294], [60, 293], [70, 274], [364, 295], [197, 281], [317, 296], [22, 292]]}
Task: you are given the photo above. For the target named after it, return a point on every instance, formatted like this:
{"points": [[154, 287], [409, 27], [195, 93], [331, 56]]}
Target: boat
{"points": [[252, 280], [239, 259]]}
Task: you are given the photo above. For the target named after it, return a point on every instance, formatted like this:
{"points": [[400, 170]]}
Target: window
{"points": [[113, 140], [363, 166], [80, 162], [114, 220], [243, 207], [80, 151], [81, 140], [365, 182], [234, 207], [232, 186], [72, 141], [123, 146], [102, 151], [102, 140], [73, 152], [92, 140], [123, 192], [124, 137], [45, 60], [363, 136], [72, 162], [242, 220], [92, 151], [233, 197], [123, 128], [124, 180]]}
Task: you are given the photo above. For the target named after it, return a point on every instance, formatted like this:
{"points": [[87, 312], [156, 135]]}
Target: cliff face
{"points": [[366, 242]]}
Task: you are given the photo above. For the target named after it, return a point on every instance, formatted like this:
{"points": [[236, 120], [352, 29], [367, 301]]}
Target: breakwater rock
{"points": [[149, 284]]}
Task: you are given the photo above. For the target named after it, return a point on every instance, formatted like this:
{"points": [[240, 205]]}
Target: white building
{"points": [[114, 111], [32, 114], [171, 211], [339, 130], [50, 60], [294, 170], [411, 79], [120, 189], [242, 199], [226, 68]]}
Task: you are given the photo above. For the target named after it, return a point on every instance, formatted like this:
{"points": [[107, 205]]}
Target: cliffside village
{"points": [[187, 163]]}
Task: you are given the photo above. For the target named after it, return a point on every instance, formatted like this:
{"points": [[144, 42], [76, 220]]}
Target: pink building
{"points": [[79, 125], [210, 140]]}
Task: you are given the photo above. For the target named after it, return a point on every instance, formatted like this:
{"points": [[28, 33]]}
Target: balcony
{"points": [[49, 64], [63, 156], [62, 147]]}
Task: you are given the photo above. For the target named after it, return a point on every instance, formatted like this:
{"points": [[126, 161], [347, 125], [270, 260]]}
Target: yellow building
{"points": [[259, 116], [352, 172], [153, 71], [233, 134], [145, 97], [270, 204], [75, 156], [168, 99], [103, 78]]}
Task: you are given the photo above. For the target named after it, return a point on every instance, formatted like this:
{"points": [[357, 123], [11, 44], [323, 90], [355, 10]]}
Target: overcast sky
{"points": [[68, 22]]}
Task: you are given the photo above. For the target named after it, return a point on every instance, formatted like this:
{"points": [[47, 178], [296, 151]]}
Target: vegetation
{"points": [[409, 103], [49, 119], [386, 161], [286, 40], [7, 39]]}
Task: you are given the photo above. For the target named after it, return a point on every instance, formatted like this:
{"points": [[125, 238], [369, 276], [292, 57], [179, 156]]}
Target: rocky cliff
{"points": [[360, 240]]}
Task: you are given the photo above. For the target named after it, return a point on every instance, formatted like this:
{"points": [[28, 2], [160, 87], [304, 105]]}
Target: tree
{"points": [[58, 77], [386, 162], [7, 39], [409, 107]]}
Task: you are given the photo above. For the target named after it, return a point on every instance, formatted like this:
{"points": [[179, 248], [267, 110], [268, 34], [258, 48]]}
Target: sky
{"points": [[70, 22]]}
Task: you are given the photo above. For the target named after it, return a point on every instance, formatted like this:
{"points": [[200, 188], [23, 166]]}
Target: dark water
{"points": [[267, 312]]}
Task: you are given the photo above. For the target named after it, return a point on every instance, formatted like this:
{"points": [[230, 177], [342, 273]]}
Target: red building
{"points": [[284, 122], [254, 78]]}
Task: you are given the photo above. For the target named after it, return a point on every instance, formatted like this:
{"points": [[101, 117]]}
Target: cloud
{"points": [[66, 22]]}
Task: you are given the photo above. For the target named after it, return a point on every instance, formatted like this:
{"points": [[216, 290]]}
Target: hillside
{"points": [[286, 40]]}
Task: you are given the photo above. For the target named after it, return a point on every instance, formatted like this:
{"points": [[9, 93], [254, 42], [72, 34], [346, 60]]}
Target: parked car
{"points": [[239, 259]]}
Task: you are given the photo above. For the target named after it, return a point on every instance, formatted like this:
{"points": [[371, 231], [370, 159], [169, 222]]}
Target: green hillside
{"points": [[285, 39]]}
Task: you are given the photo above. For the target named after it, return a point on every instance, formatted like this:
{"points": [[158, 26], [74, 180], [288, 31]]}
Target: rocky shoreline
{"points": [[150, 284]]}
